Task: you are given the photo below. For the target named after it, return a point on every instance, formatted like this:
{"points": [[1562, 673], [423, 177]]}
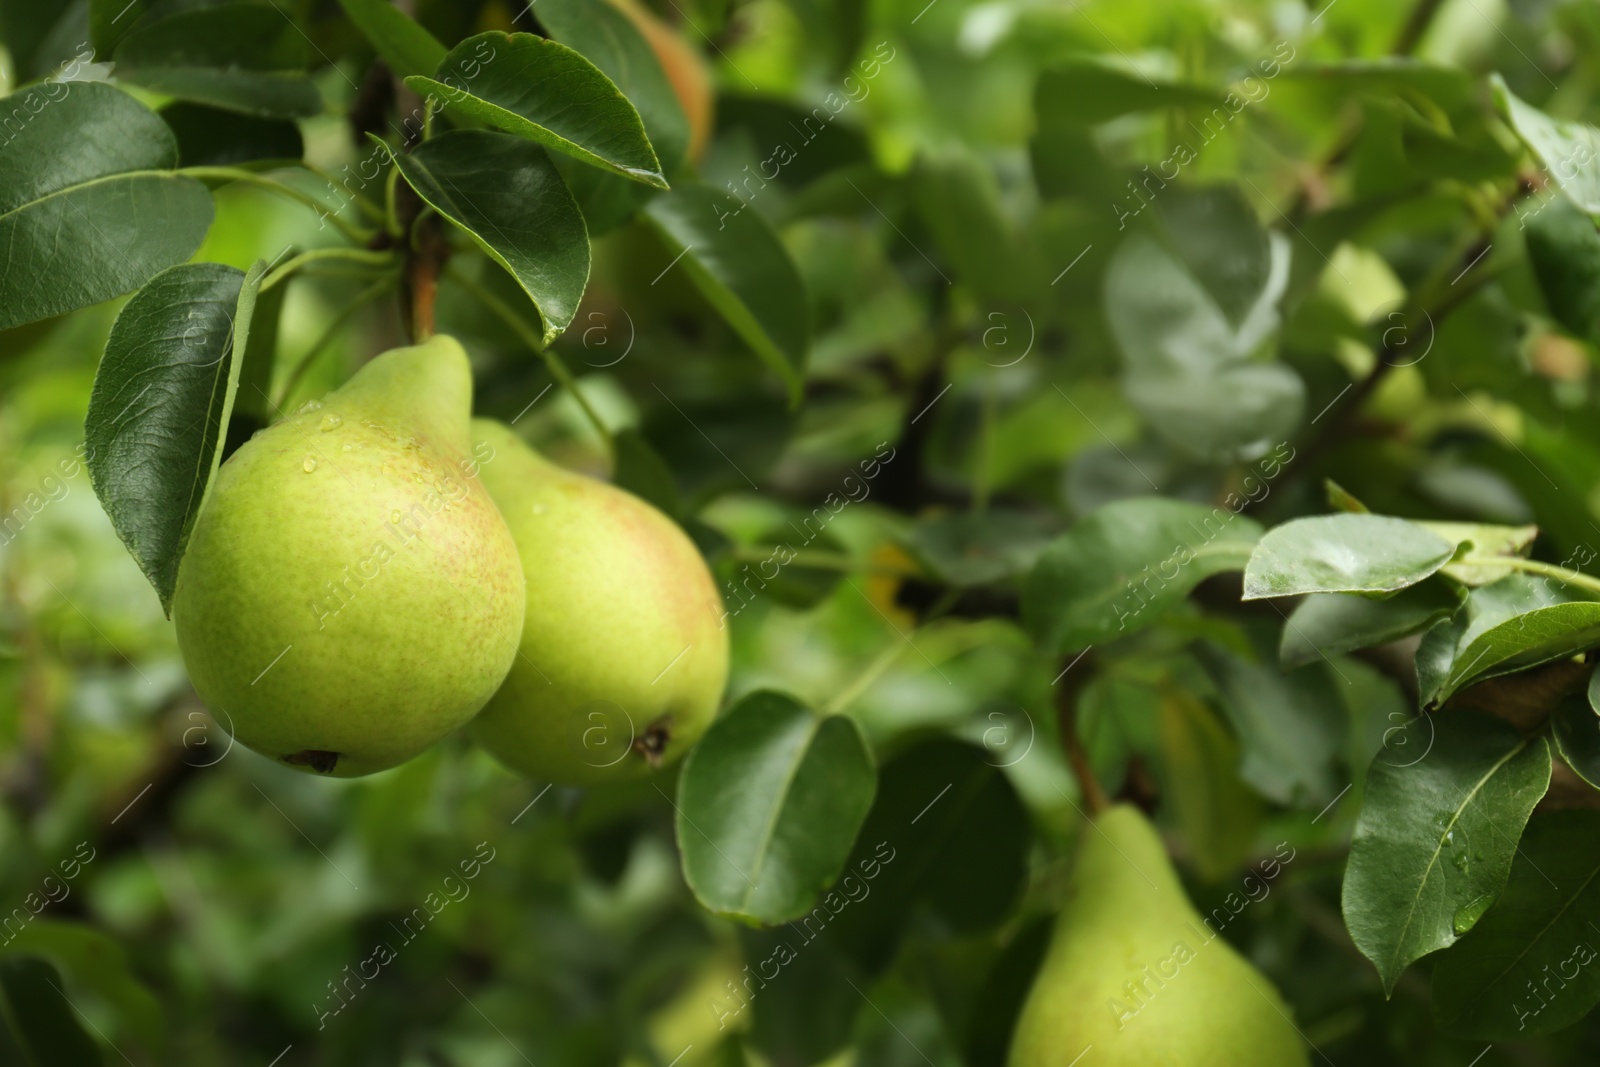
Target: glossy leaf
{"points": [[1436, 835], [1529, 966], [86, 212], [41, 1018], [504, 193], [403, 43], [1331, 624], [159, 411], [1570, 151], [1511, 625], [1343, 554], [769, 803], [1575, 726], [1564, 252], [546, 92], [1122, 566], [736, 260], [245, 56]]}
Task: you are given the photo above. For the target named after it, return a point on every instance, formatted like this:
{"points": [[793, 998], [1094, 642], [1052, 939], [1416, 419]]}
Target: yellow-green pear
{"points": [[1134, 974], [350, 593], [624, 651]]}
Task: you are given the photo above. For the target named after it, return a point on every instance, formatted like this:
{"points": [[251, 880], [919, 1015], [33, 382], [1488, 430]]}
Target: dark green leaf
{"points": [[1570, 151], [546, 92], [404, 45], [1527, 967], [244, 56], [769, 803], [1216, 234], [1343, 554], [1511, 625], [1291, 727], [1564, 251], [159, 411], [212, 137], [1437, 833], [1091, 91], [503, 191], [41, 1018], [94, 961], [110, 21], [976, 548], [1331, 624], [958, 201], [641, 470], [85, 214], [1575, 725], [736, 260], [1119, 568]]}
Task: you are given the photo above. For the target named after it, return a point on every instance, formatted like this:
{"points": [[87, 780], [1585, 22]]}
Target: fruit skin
{"points": [[685, 69], [350, 593], [1134, 971], [624, 651]]}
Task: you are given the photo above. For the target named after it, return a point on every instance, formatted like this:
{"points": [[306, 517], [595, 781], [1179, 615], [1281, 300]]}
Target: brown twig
{"points": [[1075, 675]]}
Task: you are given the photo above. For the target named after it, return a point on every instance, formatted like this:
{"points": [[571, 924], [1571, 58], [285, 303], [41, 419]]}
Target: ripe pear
{"points": [[1136, 974], [350, 593], [624, 650]]}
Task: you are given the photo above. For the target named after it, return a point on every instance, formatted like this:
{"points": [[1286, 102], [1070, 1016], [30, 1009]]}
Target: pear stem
{"points": [[250, 177], [1071, 685], [530, 337]]}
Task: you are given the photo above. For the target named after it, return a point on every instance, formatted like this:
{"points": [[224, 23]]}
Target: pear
{"points": [[624, 650], [350, 593], [1134, 973]]}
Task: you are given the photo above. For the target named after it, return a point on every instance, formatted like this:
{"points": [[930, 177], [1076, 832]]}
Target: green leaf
{"points": [[735, 259], [1564, 252], [546, 92], [85, 214], [245, 56], [1570, 151], [504, 193], [404, 45], [1291, 727], [1575, 725], [93, 961], [1483, 541], [1188, 370], [159, 411], [979, 547], [1343, 554], [1331, 624], [642, 471], [213, 137], [1217, 813], [1436, 835], [1528, 967], [1511, 625], [1216, 234], [110, 21], [769, 803], [958, 201], [41, 1018], [1091, 90], [608, 38], [1122, 566]]}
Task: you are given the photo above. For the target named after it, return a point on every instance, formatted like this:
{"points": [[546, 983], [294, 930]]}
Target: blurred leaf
{"points": [[1483, 541], [504, 193], [1187, 369], [1575, 726], [1219, 816], [1511, 625], [1331, 624], [959, 203], [1119, 568], [94, 961], [1091, 90], [160, 408], [405, 46], [641, 471], [769, 803], [1214, 231], [244, 56], [1343, 554], [1496, 984], [736, 260], [212, 137], [1000, 998], [41, 1018], [979, 547], [1564, 251], [110, 21], [546, 92], [1435, 839], [1291, 727], [83, 214], [1570, 151]]}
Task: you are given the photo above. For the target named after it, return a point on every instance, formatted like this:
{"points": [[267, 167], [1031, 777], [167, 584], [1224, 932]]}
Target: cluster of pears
{"points": [[378, 570], [1134, 978]]}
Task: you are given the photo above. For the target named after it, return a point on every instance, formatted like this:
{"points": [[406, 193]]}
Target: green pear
{"points": [[624, 652], [350, 593], [1134, 973]]}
